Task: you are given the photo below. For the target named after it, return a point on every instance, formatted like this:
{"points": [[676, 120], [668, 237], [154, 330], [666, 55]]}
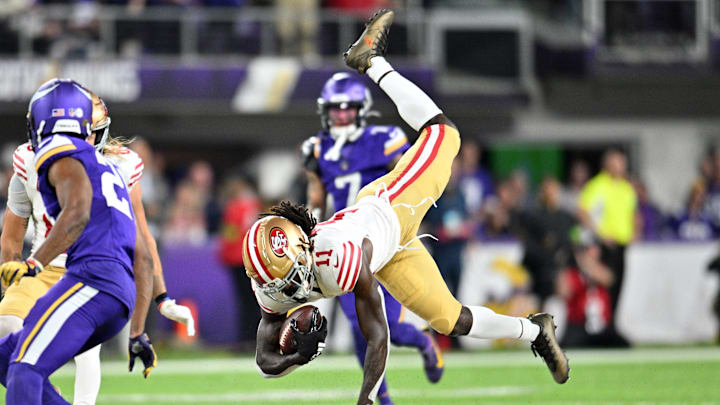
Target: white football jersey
{"points": [[129, 165], [337, 253]]}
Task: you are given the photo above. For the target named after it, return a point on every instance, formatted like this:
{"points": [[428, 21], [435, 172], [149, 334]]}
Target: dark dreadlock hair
{"points": [[297, 214]]}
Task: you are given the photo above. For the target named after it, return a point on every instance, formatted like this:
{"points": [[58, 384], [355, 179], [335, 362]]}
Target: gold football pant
{"points": [[20, 298], [412, 276]]}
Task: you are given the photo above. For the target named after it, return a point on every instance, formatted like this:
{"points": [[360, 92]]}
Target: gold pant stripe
{"points": [[45, 316]]}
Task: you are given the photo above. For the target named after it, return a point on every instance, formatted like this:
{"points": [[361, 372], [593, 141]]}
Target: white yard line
{"points": [[405, 359], [309, 394]]}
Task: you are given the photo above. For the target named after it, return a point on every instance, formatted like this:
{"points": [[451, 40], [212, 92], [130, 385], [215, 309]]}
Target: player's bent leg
{"points": [[87, 377], [60, 325], [27, 385], [412, 277]]}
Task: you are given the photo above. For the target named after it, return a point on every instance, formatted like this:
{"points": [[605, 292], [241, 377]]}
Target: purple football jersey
{"points": [[360, 162], [103, 255]]}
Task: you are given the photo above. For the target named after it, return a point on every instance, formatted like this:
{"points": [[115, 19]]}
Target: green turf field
{"points": [[639, 376]]}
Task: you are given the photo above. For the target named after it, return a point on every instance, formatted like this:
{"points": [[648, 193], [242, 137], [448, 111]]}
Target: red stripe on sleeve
{"points": [[19, 168], [346, 271], [17, 156], [342, 266], [356, 271]]}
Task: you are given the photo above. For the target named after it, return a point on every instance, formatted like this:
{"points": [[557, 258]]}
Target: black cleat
{"points": [[372, 42], [546, 345]]}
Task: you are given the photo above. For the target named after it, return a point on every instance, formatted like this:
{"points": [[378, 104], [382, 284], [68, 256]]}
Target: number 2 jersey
{"points": [[109, 236], [360, 162]]}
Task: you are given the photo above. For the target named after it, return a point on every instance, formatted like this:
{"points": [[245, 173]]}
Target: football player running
{"points": [[25, 201], [293, 260], [346, 155]]}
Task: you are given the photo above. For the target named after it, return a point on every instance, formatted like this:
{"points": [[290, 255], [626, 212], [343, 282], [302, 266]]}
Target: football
{"points": [[304, 317]]}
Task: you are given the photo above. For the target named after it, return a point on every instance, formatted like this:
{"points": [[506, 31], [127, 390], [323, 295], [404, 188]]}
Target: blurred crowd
{"points": [[131, 27]]}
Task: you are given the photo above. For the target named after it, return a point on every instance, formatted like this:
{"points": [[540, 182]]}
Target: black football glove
{"points": [[142, 347], [311, 344]]}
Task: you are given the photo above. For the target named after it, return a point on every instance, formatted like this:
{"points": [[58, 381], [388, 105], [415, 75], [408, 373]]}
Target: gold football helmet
{"points": [[276, 254], [100, 122]]}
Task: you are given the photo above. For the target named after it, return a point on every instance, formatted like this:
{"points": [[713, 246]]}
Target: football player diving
{"points": [[293, 260], [348, 154]]}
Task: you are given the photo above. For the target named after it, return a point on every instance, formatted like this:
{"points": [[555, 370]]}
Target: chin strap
{"points": [[342, 136]]}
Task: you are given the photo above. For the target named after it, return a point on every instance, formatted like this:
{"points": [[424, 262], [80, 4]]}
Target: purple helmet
{"points": [[60, 106], [344, 90]]}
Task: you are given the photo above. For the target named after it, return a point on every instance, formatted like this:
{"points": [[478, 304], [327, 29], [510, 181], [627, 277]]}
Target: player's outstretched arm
{"points": [[74, 194], [370, 309], [167, 306], [272, 364], [139, 344]]}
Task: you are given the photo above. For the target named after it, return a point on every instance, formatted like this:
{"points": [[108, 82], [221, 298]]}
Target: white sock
{"points": [[414, 106], [87, 377], [489, 325]]}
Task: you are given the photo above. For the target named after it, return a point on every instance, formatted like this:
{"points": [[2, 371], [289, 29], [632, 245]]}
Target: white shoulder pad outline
{"points": [[51, 146]]}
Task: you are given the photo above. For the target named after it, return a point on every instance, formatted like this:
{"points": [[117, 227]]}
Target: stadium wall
{"points": [[666, 298]]}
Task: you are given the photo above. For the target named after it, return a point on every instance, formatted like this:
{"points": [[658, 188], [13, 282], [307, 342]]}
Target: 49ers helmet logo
{"points": [[278, 241]]}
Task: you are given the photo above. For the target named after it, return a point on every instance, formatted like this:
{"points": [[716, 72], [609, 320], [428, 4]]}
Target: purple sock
{"points": [[406, 334]]}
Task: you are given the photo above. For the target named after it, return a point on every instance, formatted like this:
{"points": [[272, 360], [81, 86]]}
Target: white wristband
{"points": [[38, 266]]}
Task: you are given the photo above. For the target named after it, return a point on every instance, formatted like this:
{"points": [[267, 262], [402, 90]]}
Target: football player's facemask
{"points": [[100, 123], [343, 91], [276, 254], [59, 106]]}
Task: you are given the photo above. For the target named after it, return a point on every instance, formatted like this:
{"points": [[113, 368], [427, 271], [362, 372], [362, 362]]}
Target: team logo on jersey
{"points": [[278, 241]]}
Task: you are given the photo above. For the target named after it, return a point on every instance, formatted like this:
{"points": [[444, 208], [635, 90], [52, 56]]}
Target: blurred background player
{"points": [[607, 205], [25, 201], [94, 224], [346, 155]]}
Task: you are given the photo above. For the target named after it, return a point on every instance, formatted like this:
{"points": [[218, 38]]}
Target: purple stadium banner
{"points": [[129, 81], [194, 273]]}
